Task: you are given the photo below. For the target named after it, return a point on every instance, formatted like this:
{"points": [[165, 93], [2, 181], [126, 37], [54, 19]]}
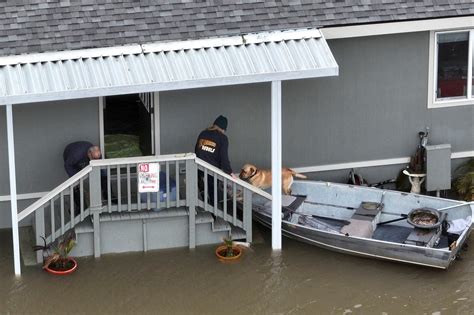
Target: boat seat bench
{"points": [[364, 220]]}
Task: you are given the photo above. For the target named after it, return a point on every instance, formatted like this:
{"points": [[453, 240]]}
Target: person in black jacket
{"points": [[212, 146], [77, 156]]}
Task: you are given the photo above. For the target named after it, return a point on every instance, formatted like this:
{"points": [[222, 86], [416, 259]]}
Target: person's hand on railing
{"points": [[234, 176]]}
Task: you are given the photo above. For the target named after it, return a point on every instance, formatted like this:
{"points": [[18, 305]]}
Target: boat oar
{"points": [[345, 222], [403, 217], [329, 205], [317, 217]]}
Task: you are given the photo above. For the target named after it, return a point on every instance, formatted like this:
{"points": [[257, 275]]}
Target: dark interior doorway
{"points": [[127, 127]]}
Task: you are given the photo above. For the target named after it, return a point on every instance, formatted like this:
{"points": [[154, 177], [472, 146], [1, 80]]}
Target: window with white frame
{"points": [[452, 69]]}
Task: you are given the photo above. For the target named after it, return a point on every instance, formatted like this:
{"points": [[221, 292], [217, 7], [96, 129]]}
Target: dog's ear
{"points": [[252, 169]]}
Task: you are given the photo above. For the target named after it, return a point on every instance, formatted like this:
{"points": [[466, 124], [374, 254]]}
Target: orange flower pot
{"points": [[221, 253], [63, 272]]}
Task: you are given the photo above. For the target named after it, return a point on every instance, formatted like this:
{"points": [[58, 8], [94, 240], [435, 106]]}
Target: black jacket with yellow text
{"points": [[212, 146]]}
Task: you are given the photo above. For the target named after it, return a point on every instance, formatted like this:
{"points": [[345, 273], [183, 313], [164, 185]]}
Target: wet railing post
{"points": [[53, 223], [95, 206], [191, 199], [39, 232], [247, 214]]}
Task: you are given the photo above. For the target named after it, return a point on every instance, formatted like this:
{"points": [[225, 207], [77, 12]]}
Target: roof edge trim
{"points": [[386, 28], [71, 54], [252, 38], [169, 86]]}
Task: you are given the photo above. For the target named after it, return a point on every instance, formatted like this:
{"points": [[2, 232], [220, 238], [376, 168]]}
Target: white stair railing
{"points": [[227, 197], [111, 185], [60, 209]]}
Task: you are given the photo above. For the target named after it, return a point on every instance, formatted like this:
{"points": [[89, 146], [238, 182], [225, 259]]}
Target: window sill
{"points": [[450, 103]]}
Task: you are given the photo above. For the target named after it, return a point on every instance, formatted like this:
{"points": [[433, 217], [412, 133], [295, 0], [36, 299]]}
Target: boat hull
{"points": [[366, 247], [410, 254], [321, 199]]}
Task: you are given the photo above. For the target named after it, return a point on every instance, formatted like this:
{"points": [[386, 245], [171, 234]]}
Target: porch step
{"points": [[238, 233], [141, 215], [144, 230], [204, 217], [27, 241], [220, 225], [84, 227]]}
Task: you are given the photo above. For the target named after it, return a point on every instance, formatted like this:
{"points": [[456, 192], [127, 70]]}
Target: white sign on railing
{"points": [[148, 177]]}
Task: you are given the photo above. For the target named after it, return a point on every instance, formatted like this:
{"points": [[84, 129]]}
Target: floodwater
{"points": [[301, 279]]}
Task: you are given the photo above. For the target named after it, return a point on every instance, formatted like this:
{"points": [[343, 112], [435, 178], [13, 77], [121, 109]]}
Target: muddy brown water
{"points": [[301, 279]]}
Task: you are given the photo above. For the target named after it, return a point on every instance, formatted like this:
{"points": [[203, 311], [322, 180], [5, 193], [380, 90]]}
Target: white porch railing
{"points": [[59, 207], [111, 186]]}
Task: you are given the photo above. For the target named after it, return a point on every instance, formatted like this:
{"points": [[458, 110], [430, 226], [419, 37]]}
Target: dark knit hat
{"points": [[221, 122]]}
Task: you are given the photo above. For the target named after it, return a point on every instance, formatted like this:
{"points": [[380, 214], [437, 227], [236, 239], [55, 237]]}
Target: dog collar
{"points": [[256, 171]]}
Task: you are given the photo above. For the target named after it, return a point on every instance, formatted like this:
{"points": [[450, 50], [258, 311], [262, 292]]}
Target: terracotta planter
{"points": [[221, 253], [63, 272]]}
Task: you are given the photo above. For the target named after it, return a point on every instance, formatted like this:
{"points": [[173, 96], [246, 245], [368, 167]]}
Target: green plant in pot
{"points": [[56, 259], [464, 182], [229, 243], [228, 251]]}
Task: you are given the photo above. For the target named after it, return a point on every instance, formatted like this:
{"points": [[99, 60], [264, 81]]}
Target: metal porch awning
{"points": [[252, 58]]}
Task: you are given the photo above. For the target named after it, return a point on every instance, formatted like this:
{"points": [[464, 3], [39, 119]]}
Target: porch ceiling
{"points": [[243, 59]]}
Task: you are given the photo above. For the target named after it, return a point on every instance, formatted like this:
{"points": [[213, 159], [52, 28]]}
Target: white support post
{"points": [[276, 165], [156, 123], [13, 202], [101, 126]]}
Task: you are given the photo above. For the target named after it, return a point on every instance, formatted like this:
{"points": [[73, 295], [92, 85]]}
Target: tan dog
{"points": [[263, 178]]}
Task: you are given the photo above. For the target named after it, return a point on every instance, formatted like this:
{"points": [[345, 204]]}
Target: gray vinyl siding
{"points": [[373, 110], [41, 131], [184, 114]]}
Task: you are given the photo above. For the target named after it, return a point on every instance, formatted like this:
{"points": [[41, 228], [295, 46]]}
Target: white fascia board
{"points": [[279, 36], [397, 27], [71, 54], [193, 44], [168, 86], [253, 38]]}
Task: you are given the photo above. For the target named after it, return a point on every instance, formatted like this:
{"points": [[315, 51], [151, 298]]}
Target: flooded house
{"points": [[320, 86]]}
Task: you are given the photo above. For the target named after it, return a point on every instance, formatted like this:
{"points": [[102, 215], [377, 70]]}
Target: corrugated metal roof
{"points": [[166, 66]]}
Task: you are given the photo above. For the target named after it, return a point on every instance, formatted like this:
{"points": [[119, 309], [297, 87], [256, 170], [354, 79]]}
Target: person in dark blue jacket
{"points": [[77, 155], [212, 146]]}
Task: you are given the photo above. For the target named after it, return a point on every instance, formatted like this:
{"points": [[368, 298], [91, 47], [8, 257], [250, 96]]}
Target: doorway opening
{"points": [[128, 126]]}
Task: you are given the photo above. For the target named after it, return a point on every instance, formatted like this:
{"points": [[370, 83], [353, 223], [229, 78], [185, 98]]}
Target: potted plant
{"points": [[228, 251], [464, 182], [57, 260]]}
